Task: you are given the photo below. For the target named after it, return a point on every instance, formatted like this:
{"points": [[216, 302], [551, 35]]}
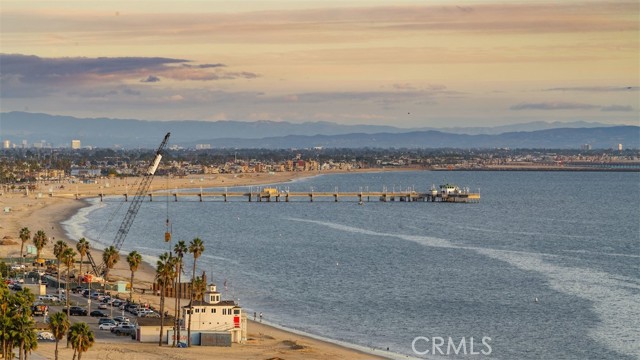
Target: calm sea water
{"points": [[382, 274]]}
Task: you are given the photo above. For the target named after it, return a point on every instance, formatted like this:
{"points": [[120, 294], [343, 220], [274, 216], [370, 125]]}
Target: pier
{"points": [[276, 195]]}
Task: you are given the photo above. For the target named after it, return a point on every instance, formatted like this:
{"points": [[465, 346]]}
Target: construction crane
{"points": [[141, 192]]}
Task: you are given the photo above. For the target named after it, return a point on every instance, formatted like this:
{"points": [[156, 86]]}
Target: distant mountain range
{"points": [[58, 131]]}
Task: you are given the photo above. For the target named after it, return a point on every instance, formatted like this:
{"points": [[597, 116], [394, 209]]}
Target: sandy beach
{"points": [[52, 203]]}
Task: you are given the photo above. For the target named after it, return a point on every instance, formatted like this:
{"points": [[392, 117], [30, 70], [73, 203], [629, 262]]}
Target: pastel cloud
{"points": [[553, 106], [597, 88], [617, 108], [20, 71], [569, 106]]}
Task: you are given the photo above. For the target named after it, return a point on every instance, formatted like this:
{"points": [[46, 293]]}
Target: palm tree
{"points": [[110, 256], [82, 246], [81, 338], [58, 249], [179, 249], [40, 241], [25, 235], [69, 258], [30, 341], [134, 259], [199, 287], [165, 273], [59, 325], [23, 333], [196, 247], [16, 321]]}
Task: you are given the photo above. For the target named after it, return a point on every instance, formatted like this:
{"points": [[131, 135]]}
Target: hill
{"points": [[58, 131]]}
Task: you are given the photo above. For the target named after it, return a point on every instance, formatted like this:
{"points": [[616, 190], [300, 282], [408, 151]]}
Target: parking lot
{"points": [[93, 322]]}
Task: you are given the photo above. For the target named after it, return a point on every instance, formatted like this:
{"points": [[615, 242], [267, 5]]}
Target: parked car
{"points": [[98, 313], [150, 314], [39, 309], [143, 312], [38, 262], [15, 286], [77, 310], [48, 297], [77, 289], [107, 326], [46, 335], [121, 319], [124, 329], [102, 306]]}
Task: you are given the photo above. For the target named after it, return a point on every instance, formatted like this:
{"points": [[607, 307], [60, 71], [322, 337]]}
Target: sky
{"points": [[402, 63]]}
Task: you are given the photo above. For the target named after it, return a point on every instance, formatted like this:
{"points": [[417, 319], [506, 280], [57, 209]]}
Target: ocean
{"points": [[546, 266]]}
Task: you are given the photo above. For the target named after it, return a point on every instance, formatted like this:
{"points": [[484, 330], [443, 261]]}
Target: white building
{"points": [[75, 144], [6, 144], [213, 314]]}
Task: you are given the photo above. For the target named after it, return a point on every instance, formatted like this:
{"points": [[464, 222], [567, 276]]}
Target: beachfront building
{"points": [[215, 315]]}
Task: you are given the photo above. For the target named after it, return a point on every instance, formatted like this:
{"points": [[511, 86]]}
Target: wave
{"points": [[614, 298]]}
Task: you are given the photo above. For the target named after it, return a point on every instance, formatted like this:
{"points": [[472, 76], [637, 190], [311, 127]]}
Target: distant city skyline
{"points": [[403, 63]]}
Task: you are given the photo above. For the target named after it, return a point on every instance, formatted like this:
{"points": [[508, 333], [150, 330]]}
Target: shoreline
{"points": [[50, 212]]}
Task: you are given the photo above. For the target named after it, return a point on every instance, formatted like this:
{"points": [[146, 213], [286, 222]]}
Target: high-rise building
{"points": [[75, 144], [6, 144], [619, 147]]}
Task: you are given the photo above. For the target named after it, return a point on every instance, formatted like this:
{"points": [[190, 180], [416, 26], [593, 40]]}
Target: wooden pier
{"points": [[274, 195]]}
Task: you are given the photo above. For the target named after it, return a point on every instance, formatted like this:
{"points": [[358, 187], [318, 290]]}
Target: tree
{"points": [[134, 259], [30, 340], [58, 249], [81, 339], [23, 334], [199, 287], [40, 241], [82, 246], [25, 235], [165, 273], [69, 258], [110, 256], [59, 325], [17, 323], [196, 247], [179, 249]]}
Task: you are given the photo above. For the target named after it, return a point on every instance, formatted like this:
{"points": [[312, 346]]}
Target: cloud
{"points": [[553, 106], [321, 24], [570, 106], [33, 69], [128, 91], [95, 94], [33, 76], [617, 108], [204, 66], [597, 88], [150, 79]]}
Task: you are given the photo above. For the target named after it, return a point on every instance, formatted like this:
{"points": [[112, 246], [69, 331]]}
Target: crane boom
{"points": [[133, 207]]}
